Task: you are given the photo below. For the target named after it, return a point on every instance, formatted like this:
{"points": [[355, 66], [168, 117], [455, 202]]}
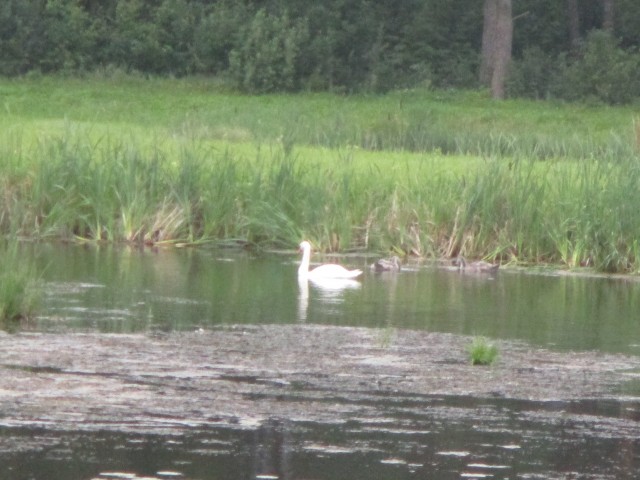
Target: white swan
{"points": [[329, 270]]}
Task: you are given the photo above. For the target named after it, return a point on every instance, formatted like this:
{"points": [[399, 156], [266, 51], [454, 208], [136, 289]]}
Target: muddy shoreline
{"points": [[241, 376]]}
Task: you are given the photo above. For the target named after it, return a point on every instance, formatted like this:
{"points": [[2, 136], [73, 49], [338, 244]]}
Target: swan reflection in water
{"points": [[303, 298], [330, 292]]}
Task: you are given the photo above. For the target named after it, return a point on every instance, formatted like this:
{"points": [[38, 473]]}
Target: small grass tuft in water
{"points": [[481, 352], [386, 337]]}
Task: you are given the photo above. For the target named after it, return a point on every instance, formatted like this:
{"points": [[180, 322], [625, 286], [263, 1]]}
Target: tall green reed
{"points": [[163, 190]]}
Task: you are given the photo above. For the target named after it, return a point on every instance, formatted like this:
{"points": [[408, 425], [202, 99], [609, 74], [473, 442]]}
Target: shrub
{"points": [[217, 33], [531, 75], [604, 72], [269, 58]]}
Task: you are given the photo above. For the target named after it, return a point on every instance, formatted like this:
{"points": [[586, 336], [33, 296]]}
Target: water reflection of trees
{"points": [[564, 311], [273, 450], [598, 427]]}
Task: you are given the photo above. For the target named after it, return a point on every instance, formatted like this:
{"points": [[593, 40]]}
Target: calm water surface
{"points": [[126, 290]]}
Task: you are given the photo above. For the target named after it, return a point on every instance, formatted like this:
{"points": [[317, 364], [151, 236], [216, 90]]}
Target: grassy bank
{"points": [[452, 123], [434, 173]]}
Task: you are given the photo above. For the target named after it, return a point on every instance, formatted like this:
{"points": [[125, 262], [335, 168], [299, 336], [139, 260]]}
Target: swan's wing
{"points": [[332, 270]]}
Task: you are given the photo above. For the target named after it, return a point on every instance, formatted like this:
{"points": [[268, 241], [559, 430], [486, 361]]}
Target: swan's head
{"points": [[305, 246]]}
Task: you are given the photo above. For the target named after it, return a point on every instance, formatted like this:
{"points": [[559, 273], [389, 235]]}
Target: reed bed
{"points": [[415, 173], [577, 213]]}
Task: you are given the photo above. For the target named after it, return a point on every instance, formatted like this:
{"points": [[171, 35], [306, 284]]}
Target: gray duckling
{"points": [[386, 265], [478, 267]]}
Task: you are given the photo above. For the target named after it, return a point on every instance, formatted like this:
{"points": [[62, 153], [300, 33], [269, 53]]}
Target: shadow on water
{"points": [[396, 435], [450, 438]]}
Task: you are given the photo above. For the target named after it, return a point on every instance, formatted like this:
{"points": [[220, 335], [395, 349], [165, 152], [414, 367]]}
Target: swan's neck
{"points": [[303, 269]]}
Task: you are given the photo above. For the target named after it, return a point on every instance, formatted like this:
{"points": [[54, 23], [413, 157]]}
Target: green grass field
{"points": [[433, 173]]}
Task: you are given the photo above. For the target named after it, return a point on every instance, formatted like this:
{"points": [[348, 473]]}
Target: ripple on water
{"points": [[162, 475], [454, 453], [487, 466], [328, 449]]}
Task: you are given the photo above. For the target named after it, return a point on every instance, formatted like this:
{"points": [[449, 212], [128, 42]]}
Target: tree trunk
{"points": [[573, 17], [488, 41], [607, 15], [497, 37]]}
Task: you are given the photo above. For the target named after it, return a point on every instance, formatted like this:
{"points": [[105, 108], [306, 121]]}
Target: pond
{"points": [[371, 427]]}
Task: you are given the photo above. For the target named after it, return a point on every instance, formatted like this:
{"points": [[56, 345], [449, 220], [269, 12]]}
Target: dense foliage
{"points": [[339, 45]]}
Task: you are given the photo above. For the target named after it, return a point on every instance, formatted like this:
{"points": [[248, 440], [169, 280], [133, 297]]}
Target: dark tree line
{"points": [[559, 48]]}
